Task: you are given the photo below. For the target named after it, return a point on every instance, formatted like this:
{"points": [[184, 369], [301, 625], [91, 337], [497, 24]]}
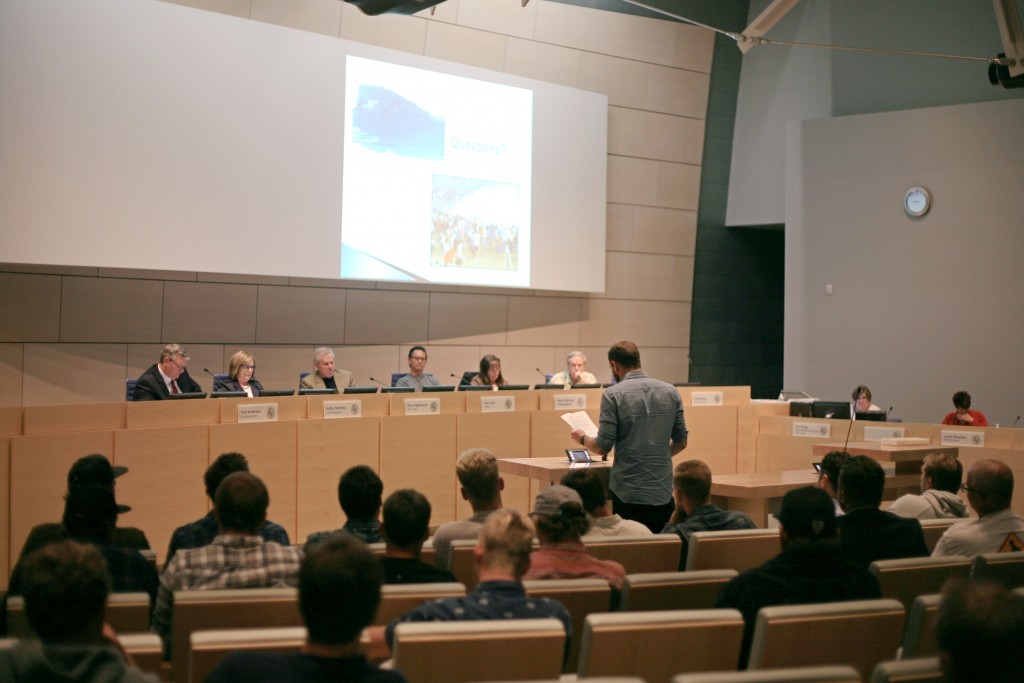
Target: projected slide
{"points": [[437, 184]]}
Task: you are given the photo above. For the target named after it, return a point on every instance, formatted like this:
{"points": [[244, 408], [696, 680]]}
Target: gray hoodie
{"points": [[932, 504], [29, 660]]}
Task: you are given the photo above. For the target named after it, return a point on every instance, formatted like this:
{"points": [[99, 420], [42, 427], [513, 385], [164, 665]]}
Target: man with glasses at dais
{"points": [[168, 376]]}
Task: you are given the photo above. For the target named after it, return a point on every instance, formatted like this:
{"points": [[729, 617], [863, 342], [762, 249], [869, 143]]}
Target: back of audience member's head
{"points": [[831, 466], [359, 492], [241, 503], [406, 518], [962, 400], [477, 470], [991, 482], [65, 587], [589, 485], [807, 516], [90, 513], [339, 589], [861, 483], [692, 478], [979, 631], [559, 515], [945, 471], [224, 465], [506, 541]]}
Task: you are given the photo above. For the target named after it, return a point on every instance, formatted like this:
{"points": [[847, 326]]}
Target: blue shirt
{"points": [[640, 417]]}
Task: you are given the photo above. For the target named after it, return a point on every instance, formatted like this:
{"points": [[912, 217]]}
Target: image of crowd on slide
{"points": [[470, 228]]}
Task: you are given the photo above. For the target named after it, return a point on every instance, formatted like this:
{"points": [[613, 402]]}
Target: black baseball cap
{"points": [[808, 512], [96, 470]]}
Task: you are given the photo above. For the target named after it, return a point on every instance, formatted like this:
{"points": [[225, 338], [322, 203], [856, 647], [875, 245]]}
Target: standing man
{"points": [[575, 371], [168, 376], [642, 419], [325, 375], [417, 378], [989, 490]]}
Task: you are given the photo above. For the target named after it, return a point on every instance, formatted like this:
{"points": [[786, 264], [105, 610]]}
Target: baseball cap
{"points": [[95, 469], [550, 500], [808, 512]]}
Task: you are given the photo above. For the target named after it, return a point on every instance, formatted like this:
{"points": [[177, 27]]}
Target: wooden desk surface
{"points": [[548, 469], [761, 484], [884, 452]]}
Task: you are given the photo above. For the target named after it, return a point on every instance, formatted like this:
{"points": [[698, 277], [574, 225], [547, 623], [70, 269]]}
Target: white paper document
{"points": [[581, 420]]}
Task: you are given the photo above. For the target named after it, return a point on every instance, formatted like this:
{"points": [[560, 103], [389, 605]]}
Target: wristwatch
{"points": [[582, 439]]}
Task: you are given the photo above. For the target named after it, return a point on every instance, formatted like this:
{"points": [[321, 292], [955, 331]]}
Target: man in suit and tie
{"points": [[168, 376]]}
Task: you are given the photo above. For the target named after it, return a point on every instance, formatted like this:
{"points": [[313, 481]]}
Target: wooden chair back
{"points": [[1007, 568], [397, 599], [906, 578], [126, 613], [208, 648], [673, 590], [924, 670], [801, 674], [934, 528], [919, 637], [580, 597], [740, 550], [638, 554]]}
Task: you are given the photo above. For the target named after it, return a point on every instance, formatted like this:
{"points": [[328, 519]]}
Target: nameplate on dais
{"points": [[821, 430], [879, 433], [498, 404], [335, 409], [706, 398], [258, 412], [951, 438], [422, 406], [571, 402]]}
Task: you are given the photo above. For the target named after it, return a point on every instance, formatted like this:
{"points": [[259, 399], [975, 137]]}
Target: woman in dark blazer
{"points": [[240, 375]]}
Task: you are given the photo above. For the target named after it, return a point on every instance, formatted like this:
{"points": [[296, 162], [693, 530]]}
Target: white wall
{"points": [[920, 307]]}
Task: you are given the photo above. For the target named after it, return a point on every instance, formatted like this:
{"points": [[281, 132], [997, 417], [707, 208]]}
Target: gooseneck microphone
{"points": [[207, 371], [1015, 422], [887, 413], [542, 373], [374, 379]]}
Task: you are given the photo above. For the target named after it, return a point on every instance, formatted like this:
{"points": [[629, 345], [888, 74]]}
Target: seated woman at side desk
{"points": [[240, 375], [963, 415], [490, 372]]}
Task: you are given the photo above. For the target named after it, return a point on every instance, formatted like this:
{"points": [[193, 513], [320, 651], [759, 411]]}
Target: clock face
{"points": [[917, 201]]}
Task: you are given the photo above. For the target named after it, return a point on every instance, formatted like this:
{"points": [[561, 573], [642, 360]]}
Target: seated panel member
{"points": [[241, 369], [963, 415], [575, 371], [862, 402], [166, 377], [418, 377], [490, 372], [325, 375]]}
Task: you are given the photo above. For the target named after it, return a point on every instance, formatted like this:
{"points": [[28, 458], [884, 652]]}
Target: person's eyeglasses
{"points": [[422, 358], [180, 366], [966, 489], [816, 466], [248, 367]]}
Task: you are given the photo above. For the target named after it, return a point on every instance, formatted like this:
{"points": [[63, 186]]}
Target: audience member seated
{"points": [[339, 591], [359, 494], [490, 372], [862, 402], [90, 470], [481, 487], [168, 376], [941, 476], [603, 522], [406, 525], [418, 377], [810, 569], [65, 589], [963, 415], [691, 489], [202, 531], [325, 375], [90, 514], [575, 371], [237, 558], [241, 369], [828, 476], [561, 522], [867, 533], [989, 491], [502, 556], [979, 630]]}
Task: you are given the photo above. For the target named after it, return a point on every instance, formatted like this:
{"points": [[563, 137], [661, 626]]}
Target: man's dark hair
{"points": [[406, 518], [626, 354], [693, 479], [861, 482], [832, 464], [224, 465], [359, 492], [339, 589], [945, 471], [65, 587], [962, 399], [979, 630], [90, 513], [589, 485], [241, 502], [415, 349]]}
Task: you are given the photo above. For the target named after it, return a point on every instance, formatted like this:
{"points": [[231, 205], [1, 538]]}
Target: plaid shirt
{"points": [[228, 562], [202, 532], [366, 529]]}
